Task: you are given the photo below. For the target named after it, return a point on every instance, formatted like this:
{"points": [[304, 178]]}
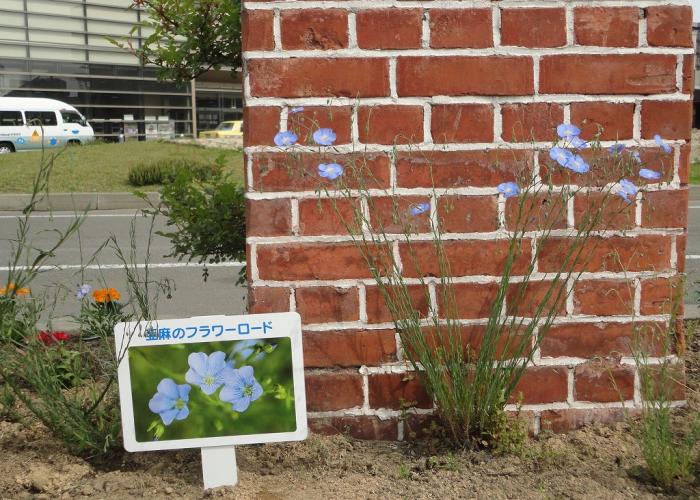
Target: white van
{"points": [[28, 123]]}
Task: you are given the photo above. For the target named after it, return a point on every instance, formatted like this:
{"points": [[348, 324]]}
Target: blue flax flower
{"points": [[627, 190], [578, 143], [170, 402], [206, 371], [636, 156], [296, 109], [561, 156], [83, 291], [662, 144], [285, 139], [650, 174], [578, 165], [509, 189], [324, 136], [330, 170], [241, 388], [616, 149], [421, 208], [568, 131]]}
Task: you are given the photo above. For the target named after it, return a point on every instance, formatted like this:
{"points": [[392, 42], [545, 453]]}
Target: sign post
{"points": [[211, 382]]}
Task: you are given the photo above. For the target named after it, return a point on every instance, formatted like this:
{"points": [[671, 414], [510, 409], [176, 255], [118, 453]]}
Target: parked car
{"points": [[28, 123], [224, 129]]}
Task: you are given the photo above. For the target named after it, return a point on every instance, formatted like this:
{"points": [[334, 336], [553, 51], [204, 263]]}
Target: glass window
{"points": [[45, 118], [11, 118], [225, 126], [72, 117]]}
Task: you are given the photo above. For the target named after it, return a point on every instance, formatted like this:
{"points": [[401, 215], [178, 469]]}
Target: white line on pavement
{"points": [[163, 265], [66, 216], [692, 257]]}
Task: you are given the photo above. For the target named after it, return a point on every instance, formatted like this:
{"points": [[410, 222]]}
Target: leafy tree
{"points": [[187, 37]]}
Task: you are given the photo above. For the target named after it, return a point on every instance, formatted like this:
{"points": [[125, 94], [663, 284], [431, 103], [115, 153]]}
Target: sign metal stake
{"points": [[219, 466]]}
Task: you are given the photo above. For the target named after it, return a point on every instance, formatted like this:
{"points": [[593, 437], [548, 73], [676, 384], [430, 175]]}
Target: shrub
{"points": [[146, 174], [162, 171]]}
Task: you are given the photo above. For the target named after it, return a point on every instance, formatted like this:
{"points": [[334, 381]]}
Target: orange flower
{"points": [[13, 288], [106, 295]]}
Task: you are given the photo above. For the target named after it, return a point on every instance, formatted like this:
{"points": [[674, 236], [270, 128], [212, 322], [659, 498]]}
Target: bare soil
{"points": [[594, 462]]}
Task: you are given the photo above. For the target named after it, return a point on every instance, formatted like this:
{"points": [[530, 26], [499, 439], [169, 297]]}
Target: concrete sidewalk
{"points": [[78, 201]]}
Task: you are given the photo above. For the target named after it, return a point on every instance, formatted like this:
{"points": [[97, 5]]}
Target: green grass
{"points": [[102, 167], [695, 173]]}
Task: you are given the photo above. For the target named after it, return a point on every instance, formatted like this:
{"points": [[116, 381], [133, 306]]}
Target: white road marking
{"points": [[692, 257], [693, 206], [163, 265], [66, 216]]}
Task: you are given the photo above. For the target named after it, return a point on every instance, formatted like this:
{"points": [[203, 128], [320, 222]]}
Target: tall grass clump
{"points": [[471, 368]]}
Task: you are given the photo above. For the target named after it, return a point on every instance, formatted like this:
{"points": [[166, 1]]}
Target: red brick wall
{"points": [[462, 79]]}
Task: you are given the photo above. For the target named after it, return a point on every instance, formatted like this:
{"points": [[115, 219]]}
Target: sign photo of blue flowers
{"points": [[211, 381]]}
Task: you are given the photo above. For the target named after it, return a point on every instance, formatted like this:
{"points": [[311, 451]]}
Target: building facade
{"points": [[60, 49]]}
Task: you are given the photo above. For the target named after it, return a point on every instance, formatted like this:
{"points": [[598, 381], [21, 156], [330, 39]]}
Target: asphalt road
{"points": [[191, 294], [90, 257]]}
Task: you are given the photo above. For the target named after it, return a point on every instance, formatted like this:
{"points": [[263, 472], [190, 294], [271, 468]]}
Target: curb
{"points": [[69, 202]]}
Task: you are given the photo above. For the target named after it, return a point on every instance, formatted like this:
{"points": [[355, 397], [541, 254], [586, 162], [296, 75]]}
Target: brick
{"points": [[445, 169], [533, 27], [559, 421], [688, 74], [540, 385], [466, 258], [260, 124], [464, 75], [663, 382], [683, 166], [390, 124], [603, 211], [613, 121], [349, 348], [608, 339], [314, 29], [257, 30], [318, 77], [608, 74], [604, 169], [665, 209], [461, 123], [337, 118], [603, 297], [537, 212], [389, 28], [325, 304], [607, 27], [447, 28], [330, 391], [396, 391], [681, 242], [670, 26], [615, 253], [603, 382], [671, 120], [377, 310], [314, 261], [286, 172], [468, 214], [525, 300], [358, 427], [263, 299], [268, 217], [392, 214], [326, 216], [467, 300], [661, 295], [659, 161], [531, 122], [470, 338]]}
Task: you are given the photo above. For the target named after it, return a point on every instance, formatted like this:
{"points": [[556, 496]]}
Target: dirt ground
{"points": [[595, 462]]}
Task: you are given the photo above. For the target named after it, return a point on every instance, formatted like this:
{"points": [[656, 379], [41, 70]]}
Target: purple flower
{"points": [[578, 165], [649, 174], [421, 208], [578, 143], [636, 157], [662, 144], [285, 139], [330, 170], [83, 291], [616, 149], [561, 156], [324, 136], [568, 131], [206, 371], [170, 401], [240, 388], [627, 190], [509, 189], [296, 109]]}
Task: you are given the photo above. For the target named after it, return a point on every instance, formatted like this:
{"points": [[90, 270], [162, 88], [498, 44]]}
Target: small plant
{"points": [[146, 174], [164, 171]]}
